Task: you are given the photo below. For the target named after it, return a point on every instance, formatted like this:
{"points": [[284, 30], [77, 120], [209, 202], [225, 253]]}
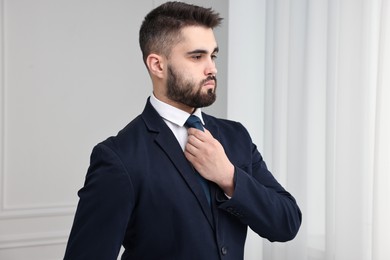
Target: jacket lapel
{"points": [[168, 143]]}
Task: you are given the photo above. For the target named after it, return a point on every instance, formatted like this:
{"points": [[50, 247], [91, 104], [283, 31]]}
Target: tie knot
{"points": [[194, 122]]}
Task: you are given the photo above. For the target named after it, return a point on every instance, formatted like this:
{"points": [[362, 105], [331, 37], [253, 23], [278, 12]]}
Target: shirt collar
{"points": [[171, 113]]}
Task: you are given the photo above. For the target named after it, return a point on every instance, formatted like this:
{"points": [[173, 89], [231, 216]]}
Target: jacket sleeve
{"points": [[260, 202], [104, 208]]}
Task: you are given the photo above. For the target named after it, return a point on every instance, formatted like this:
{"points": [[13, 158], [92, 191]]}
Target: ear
{"points": [[156, 65]]}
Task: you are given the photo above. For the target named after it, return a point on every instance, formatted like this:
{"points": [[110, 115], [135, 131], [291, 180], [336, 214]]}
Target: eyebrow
{"points": [[202, 51]]}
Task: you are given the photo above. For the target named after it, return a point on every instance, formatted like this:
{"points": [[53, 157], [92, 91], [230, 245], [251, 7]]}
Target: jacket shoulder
{"points": [[226, 126]]}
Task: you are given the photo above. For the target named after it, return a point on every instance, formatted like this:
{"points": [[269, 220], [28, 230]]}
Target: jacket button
{"points": [[224, 250]]}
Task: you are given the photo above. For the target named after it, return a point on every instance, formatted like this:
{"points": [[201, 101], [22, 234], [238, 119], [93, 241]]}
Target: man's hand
{"points": [[208, 157]]}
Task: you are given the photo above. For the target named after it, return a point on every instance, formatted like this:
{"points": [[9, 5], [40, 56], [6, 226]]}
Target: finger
{"points": [[195, 141], [191, 149], [193, 131], [196, 132], [190, 157], [193, 159]]}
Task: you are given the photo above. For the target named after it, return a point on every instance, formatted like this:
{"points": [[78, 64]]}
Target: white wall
{"points": [[246, 79], [71, 74]]}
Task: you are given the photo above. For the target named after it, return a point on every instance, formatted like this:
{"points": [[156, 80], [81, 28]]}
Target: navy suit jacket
{"points": [[141, 192]]}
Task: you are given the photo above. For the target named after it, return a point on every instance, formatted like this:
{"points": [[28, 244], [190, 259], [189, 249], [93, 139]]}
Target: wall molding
{"points": [[33, 240], [37, 212]]}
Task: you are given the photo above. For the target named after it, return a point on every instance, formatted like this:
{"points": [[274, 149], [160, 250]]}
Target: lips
{"points": [[209, 83]]}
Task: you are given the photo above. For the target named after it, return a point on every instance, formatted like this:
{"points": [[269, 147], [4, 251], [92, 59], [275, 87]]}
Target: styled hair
{"points": [[161, 28]]}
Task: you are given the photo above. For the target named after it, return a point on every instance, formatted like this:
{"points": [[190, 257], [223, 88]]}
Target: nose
{"points": [[211, 68]]}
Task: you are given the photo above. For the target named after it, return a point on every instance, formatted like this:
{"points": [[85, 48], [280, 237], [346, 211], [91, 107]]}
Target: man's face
{"points": [[191, 69], [190, 92]]}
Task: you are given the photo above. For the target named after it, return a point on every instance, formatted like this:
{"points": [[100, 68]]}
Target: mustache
{"points": [[209, 78]]}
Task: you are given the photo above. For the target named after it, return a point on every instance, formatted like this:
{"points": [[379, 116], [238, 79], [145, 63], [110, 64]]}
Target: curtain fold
{"points": [[327, 124], [381, 196]]}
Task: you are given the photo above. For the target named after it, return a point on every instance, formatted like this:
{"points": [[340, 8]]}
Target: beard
{"points": [[189, 92]]}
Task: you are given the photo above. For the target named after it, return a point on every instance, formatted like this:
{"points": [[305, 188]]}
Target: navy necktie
{"points": [[194, 122]]}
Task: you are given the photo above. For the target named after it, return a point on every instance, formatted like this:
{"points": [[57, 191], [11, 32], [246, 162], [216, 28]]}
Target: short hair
{"points": [[161, 28]]}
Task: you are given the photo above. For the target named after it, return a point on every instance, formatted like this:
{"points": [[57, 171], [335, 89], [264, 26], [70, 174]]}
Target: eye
{"points": [[214, 56], [197, 57]]}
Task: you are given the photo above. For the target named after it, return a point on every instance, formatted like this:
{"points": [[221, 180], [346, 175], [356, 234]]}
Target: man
{"points": [[167, 187]]}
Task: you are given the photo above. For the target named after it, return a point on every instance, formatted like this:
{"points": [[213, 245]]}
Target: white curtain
{"points": [[327, 124]]}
